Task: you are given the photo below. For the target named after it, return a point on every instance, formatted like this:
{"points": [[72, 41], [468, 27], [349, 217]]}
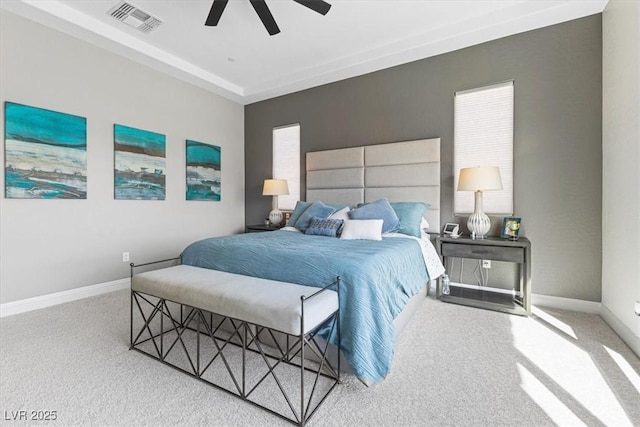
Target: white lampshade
{"points": [[275, 187], [479, 179]]}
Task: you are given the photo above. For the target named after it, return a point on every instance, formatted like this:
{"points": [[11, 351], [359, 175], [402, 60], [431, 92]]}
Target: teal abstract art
{"points": [[139, 164], [203, 171], [45, 154]]}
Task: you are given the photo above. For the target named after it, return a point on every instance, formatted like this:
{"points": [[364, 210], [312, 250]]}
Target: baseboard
{"points": [[566, 303], [29, 304], [623, 331]]}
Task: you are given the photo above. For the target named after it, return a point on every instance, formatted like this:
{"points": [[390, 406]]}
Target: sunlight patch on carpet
{"points": [[566, 366], [625, 367], [546, 400], [554, 321]]}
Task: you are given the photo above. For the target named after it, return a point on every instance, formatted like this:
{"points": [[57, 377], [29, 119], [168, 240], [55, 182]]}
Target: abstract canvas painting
{"points": [[203, 171], [45, 154], [139, 164]]}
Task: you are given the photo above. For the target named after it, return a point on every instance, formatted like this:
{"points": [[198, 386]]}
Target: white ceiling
{"points": [[240, 61]]}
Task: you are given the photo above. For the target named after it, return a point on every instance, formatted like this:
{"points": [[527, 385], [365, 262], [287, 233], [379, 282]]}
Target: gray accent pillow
{"points": [[324, 227]]}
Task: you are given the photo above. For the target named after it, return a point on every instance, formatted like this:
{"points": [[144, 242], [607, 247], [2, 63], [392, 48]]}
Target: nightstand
{"points": [[494, 249], [258, 228]]}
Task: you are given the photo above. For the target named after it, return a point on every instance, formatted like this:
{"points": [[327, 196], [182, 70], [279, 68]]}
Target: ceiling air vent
{"points": [[134, 17]]}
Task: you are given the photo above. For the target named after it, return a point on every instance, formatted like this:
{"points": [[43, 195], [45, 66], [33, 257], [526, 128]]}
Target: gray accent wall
{"points": [[50, 246], [558, 136]]}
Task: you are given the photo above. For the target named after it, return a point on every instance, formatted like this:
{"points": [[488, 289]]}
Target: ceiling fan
{"points": [[261, 8]]}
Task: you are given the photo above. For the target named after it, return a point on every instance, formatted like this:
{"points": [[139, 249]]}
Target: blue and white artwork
{"points": [[45, 153], [203, 171], [139, 164]]}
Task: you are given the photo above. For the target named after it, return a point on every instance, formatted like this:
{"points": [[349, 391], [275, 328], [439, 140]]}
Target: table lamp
{"points": [[479, 179], [275, 188]]}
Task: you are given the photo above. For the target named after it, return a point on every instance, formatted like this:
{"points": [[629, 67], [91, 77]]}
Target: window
{"points": [[286, 162], [484, 137]]}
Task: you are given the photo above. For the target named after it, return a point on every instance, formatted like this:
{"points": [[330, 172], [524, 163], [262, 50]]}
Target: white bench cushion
{"points": [[269, 303]]}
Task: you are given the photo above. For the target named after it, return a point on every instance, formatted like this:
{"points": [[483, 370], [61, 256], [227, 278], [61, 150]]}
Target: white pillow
{"points": [[341, 214], [365, 229], [424, 225]]}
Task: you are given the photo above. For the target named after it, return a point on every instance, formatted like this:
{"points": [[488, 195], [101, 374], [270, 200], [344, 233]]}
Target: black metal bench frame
{"points": [[245, 335]]}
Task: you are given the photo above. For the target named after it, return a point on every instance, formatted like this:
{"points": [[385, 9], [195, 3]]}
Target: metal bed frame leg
{"points": [[130, 307], [244, 361], [302, 345], [338, 324]]}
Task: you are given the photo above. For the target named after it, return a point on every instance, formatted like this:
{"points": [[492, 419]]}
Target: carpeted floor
{"points": [[454, 366]]}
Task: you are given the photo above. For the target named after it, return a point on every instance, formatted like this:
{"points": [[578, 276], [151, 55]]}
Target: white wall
{"points": [[621, 176], [50, 246]]}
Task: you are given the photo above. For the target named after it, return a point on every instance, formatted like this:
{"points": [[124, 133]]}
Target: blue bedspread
{"points": [[378, 278]]}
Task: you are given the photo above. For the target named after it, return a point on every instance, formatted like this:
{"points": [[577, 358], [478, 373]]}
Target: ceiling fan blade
{"points": [[215, 13], [322, 7], [265, 15]]}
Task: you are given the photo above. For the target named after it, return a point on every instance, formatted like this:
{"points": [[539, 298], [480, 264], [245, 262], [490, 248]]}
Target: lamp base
{"points": [[479, 224], [275, 217]]}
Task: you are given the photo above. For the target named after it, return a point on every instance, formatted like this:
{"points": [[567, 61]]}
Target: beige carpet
{"points": [[454, 365]]}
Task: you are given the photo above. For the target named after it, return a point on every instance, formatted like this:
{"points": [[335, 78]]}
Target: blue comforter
{"points": [[378, 278]]}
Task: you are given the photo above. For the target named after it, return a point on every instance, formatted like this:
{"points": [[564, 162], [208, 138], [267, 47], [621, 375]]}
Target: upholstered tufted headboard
{"points": [[400, 171]]}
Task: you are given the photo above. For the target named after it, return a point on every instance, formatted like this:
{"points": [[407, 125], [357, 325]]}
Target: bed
{"points": [[383, 280]]}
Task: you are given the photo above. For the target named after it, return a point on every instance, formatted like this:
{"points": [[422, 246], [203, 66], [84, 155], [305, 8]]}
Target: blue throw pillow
{"points": [[380, 209], [297, 211], [316, 210], [410, 215], [324, 227]]}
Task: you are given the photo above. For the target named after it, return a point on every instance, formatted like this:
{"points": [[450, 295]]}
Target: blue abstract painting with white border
{"points": [[203, 171], [45, 154], [139, 164]]}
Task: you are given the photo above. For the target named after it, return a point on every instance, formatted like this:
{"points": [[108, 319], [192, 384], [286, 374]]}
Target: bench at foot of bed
{"points": [[206, 323]]}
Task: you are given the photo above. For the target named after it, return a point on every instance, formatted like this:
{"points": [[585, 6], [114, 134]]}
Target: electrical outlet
{"points": [[125, 256], [486, 263]]}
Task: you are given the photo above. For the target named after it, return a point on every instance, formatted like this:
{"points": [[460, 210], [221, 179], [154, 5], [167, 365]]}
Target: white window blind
{"points": [[286, 162], [484, 137]]}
